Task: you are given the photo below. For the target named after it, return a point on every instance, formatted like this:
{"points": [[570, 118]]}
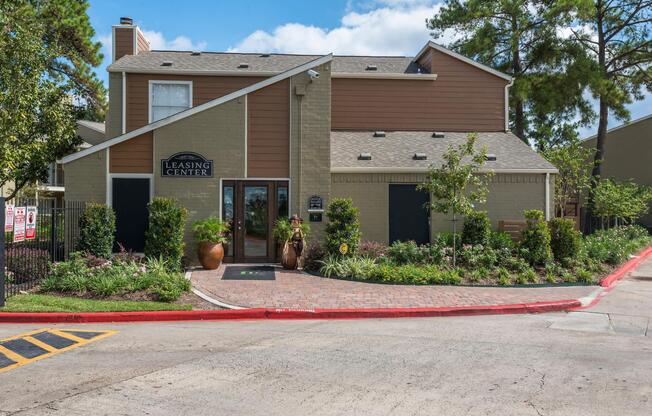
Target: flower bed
{"points": [[499, 262], [123, 276]]}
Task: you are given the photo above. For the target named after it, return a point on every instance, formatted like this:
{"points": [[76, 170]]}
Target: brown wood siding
{"points": [[133, 156], [268, 132], [462, 98], [204, 88], [141, 42], [124, 42]]}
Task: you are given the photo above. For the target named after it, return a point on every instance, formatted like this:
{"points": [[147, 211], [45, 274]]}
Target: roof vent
{"points": [[379, 134], [243, 65], [420, 156], [195, 53], [364, 156], [491, 157], [166, 63], [126, 21], [264, 55], [371, 67], [438, 135]]}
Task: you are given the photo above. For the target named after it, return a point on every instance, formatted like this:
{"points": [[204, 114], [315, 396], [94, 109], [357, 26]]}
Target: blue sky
{"points": [[373, 27]]}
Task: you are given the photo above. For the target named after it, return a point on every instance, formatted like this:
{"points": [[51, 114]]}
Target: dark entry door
{"points": [[408, 214], [252, 207], [130, 199]]}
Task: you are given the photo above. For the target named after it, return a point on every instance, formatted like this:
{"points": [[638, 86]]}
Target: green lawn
{"points": [[50, 303]]}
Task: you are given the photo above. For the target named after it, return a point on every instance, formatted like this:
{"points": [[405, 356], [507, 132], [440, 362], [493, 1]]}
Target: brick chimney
{"points": [[128, 39]]}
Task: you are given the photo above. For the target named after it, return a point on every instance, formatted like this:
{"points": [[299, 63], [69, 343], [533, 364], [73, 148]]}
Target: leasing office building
{"points": [[251, 137]]}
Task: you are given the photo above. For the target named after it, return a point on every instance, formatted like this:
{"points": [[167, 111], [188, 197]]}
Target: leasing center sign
{"points": [[188, 165]]}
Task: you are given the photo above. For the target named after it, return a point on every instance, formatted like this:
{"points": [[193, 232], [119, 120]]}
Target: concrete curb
{"points": [[626, 268], [260, 313]]}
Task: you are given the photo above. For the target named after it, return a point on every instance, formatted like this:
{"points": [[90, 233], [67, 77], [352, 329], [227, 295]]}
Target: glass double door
{"points": [[251, 207]]}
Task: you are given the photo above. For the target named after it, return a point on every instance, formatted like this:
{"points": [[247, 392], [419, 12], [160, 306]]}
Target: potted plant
{"points": [[211, 234], [291, 234]]}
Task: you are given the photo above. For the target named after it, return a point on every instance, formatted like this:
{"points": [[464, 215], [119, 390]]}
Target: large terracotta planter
{"points": [[210, 254], [289, 259]]}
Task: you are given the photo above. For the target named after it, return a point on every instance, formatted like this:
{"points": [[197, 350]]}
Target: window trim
{"points": [[164, 81]]}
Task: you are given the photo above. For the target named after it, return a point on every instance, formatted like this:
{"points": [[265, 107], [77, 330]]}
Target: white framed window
{"points": [[168, 97]]}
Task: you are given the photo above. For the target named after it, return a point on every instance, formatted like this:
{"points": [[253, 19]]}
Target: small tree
{"points": [[457, 185], [343, 226], [97, 230], [164, 237], [535, 242], [573, 177], [620, 200]]}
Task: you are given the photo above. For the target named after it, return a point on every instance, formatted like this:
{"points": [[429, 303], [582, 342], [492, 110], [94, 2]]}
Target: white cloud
{"points": [[395, 27]]}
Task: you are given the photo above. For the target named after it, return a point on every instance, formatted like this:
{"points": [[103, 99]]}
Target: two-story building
{"points": [[251, 137]]}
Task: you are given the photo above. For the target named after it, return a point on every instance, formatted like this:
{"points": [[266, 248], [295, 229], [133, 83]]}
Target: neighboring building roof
{"points": [[91, 131], [627, 124], [257, 63], [94, 125], [396, 152], [194, 110]]}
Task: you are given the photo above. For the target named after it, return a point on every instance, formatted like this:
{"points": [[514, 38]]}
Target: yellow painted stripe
{"points": [[20, 360], [46, 347], [12, 355]]}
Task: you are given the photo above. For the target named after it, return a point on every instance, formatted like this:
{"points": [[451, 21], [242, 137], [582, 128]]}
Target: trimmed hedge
{"points": [[535, 245], [343, 226], [477, 229], [164, 238], [565, 241], [97, 230]]}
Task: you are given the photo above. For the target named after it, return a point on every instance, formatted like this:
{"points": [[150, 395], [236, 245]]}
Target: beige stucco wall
{"points": [[627, 155], [217, 134], [114, 115], [86, 178], [509, 195], [310, 159]]}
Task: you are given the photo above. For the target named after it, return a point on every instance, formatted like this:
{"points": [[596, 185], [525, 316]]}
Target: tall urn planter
{"points": [[291, 233], [211, 235]]}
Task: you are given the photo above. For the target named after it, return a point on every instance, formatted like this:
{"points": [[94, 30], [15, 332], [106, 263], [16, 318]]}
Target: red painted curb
{"points": [[626, 268], [261, 313]]}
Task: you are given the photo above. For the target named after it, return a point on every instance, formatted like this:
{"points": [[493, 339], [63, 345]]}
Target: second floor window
{"points": [[168, 98]]}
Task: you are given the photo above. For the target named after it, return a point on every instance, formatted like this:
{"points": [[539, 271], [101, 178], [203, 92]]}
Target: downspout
{"points": [[547, 196], [507, 104], [300, 162]]}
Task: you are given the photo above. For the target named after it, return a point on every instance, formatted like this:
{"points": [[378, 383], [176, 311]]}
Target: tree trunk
{"points": [[519, 113]]}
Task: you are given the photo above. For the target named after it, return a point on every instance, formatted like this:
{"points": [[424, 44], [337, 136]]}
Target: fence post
{"points": [[2, 251]]}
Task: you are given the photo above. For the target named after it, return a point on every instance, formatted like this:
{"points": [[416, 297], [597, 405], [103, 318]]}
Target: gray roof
{"points": [[272, 63], [398, 148]]}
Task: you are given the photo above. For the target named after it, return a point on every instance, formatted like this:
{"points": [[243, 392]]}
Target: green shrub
{"points": [[477, 256], [211, 230], [446, 239], [343, 226], [536, 238], [477, 228], [613, 246], [372, 249], [401, 252], [565, 241], [96, 230], [164, 238], [500, 240], [503, 277], [584, 276]]}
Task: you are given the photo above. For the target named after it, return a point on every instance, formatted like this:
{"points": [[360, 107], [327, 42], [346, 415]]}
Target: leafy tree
{"points": [[573, 177], [45, 81], [615, 35], [456, 185], [621, 200], [520, 38]]}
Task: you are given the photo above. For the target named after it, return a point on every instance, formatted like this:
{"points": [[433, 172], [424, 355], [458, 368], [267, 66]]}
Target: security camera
{"points": [[313, 74]]}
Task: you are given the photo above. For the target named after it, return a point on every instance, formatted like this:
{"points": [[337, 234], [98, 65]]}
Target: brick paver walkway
{"points": [[298, 290]]}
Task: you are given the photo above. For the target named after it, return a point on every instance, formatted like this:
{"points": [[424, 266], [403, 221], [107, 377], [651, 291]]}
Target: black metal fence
{"points": [[51, 232]]}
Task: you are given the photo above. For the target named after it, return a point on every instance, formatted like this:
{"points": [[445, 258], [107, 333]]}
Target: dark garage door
{"points": [[130, 199], [408, 214]]}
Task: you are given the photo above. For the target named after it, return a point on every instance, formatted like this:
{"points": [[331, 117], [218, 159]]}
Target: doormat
{"points": [[248, 273]]}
